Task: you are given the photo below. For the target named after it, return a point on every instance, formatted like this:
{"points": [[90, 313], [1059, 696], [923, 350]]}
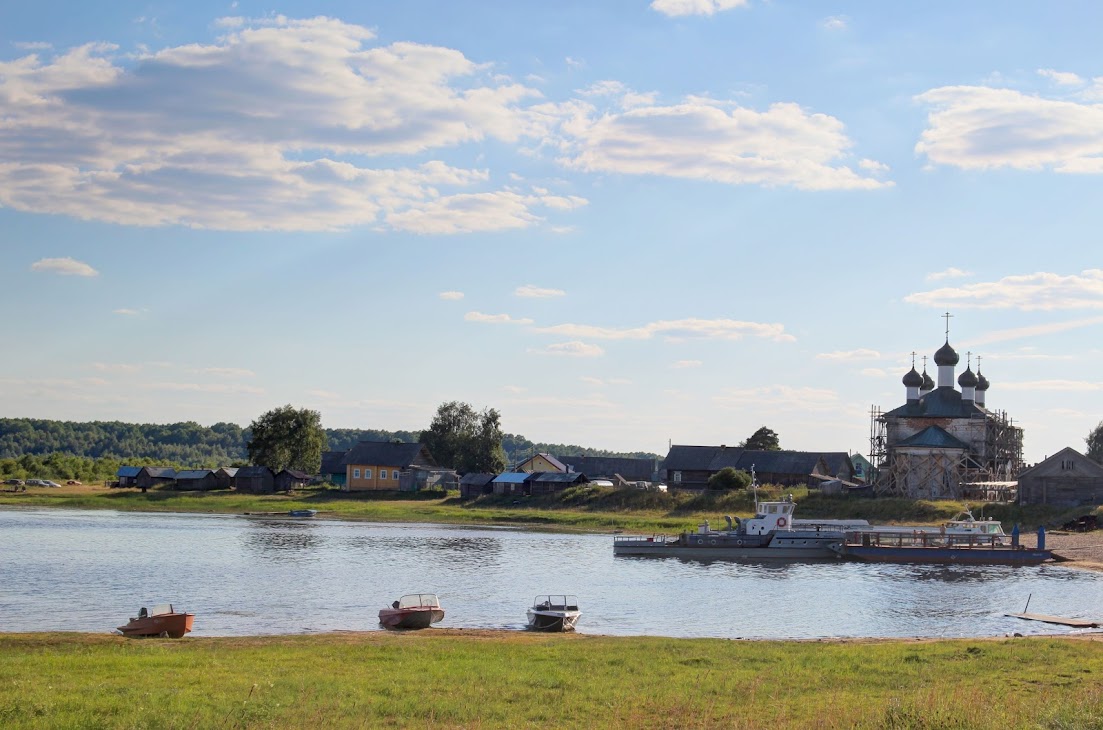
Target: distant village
{"points": [[941, 443]]}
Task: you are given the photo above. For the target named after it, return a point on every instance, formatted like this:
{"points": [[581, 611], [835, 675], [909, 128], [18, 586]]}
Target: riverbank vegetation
{"points": [[482, 679], [578, 508]]}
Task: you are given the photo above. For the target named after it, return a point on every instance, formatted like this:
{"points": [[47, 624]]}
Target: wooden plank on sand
{"points": [[1080, 623]]}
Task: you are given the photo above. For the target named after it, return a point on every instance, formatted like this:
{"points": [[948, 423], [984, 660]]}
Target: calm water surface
{"points": [[90, 571]]}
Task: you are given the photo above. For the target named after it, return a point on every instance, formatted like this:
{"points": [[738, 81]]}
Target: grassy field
{"points": [[600, 509], [446, 679]]}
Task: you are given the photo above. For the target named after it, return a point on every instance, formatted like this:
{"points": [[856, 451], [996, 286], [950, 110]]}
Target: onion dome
{"points": [[928, 382], [982, 382], [913, 379], [946, 355], [967, 379]]}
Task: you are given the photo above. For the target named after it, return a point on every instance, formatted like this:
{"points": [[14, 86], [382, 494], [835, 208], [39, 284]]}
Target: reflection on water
{"points": [[257, 576]]}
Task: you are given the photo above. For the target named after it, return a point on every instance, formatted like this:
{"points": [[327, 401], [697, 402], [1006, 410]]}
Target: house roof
{"points": [[690, 458], [385, 453], [715, 458], [189, 474], [942, 402], [556, 463], [159, 472], [250, 472], [296, 474], [476, 479], [230, 471], [333, 462], [606, 466], [512, 477], [934, 437], [555, 477], [128, 472], [1084, 465], [776, 462]]}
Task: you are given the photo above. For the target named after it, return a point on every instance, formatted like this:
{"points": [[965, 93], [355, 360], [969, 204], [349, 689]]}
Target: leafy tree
{"points": [[1095, 444], [764, 439], [462, 439], [288, 438], [730, 478]]}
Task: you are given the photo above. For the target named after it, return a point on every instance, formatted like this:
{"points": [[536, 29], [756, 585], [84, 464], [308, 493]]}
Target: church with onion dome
{"points": [[945, 442]]}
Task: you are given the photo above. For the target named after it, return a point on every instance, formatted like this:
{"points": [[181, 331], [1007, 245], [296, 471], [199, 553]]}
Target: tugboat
{"points": [[161, 621], [554, 613]]}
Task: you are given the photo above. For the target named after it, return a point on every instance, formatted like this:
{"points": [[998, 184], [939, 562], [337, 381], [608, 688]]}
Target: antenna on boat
{"points": [[754, 486]]}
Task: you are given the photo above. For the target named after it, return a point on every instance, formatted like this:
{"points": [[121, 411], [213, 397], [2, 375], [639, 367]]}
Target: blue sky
{"points": [[622, 224]]}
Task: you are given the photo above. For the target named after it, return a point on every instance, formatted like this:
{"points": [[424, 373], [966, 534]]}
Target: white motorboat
{"points": [[554, 613]]}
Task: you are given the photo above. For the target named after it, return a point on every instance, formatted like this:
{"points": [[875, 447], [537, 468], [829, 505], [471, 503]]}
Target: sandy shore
{"points": [[1080, 549]]}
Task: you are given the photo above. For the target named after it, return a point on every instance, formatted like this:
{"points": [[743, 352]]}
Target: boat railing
{"points": [[922, 538], [638, 539]]}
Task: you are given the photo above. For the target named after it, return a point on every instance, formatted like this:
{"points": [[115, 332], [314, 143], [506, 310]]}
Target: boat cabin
{"points": [[770, 516]]}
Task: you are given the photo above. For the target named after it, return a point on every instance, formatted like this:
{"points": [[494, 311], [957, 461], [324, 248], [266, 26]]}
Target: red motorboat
{"points": [[413, 611], [161, 621]]}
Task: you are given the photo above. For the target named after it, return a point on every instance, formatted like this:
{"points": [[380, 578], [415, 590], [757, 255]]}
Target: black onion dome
{"points": [[967, 379], [913, 379], [928, 383], [982, 382], [946, 355]]}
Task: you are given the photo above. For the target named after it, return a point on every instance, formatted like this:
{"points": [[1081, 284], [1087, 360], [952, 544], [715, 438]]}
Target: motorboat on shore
{"points": [[302, 512], [161, 621], [554, 613], [412, 611], [769, 535]]}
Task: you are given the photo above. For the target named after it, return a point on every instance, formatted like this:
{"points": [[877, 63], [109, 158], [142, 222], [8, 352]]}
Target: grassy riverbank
{"points": [[478, 679], [600, 509]]}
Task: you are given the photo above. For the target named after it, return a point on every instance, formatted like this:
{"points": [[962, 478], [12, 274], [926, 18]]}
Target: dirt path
{"points": [[1081, 549]]}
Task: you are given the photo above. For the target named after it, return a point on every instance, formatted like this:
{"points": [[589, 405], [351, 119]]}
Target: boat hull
{"points": [[945, 555], [172, 625], [792, 545], [553, 620], [421, 617]]}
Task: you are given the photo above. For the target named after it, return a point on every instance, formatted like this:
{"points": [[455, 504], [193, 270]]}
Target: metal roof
{"points": [[934, 437], [189, 474], [512, 477], [558, 477], [128, 472], [476, 479], [943, 402], [160, 472]]}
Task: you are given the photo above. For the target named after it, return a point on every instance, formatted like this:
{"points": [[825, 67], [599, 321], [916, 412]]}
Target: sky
{"points": [[622, 224]]}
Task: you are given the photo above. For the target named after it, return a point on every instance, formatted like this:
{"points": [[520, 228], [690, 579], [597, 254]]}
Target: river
{"points": [[88, 571]]}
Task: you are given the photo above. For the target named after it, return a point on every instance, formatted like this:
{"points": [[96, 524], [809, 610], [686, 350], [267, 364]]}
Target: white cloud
{"points": [[592, 381], [575, 348], [268, 127], [535, 292], [677, 8], [66, 266], [494, 318], [779, 396], [835, 23], [849, 355], [126, 312], [1018, 333], [204, 387], [1061, 78], [515, 389], [950, 273], [704, 139], [978, 128], [1029, 292], [125, 368], [683, 364], [451, 295], [681, 329], [873, 372]]}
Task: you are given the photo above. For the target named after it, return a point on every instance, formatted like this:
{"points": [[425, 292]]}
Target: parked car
{"points": [[48, 483], [14, 482], [74, 482], [35, 483]]}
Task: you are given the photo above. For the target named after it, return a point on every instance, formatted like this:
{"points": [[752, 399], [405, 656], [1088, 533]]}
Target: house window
{"points": [[367, 473], [394, 474], [677, 476], [355, 473]]}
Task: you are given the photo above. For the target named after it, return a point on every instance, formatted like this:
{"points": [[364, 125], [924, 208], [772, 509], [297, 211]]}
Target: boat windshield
{"points": [[161, 609], [417, 600], [555, 603]]}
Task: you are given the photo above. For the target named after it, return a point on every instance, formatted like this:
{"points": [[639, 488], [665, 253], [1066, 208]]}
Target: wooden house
{"points": [[196, 480], [333, 467], [549, 482], [542, 462], [225, 476], [383, 466], [1066, 479], [475, 485], [255, 480], [610, 467], [127, 476], [511, 482], [689, 467], [154, 476], [289, 479]]}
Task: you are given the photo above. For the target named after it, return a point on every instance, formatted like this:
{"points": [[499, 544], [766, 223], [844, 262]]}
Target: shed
{"points": [[196, 479], [511, 482], [126, 475], [255, 479], [225, 476], [476, 484], [551, 482], [289, 479], [153, 476]]}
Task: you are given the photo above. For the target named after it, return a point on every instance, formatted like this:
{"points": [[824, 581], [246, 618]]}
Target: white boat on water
{"points": [[554, 613]]}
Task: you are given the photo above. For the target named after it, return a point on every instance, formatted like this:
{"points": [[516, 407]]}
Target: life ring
{"points": [[782, 522], [712, 542], [739, 543]]}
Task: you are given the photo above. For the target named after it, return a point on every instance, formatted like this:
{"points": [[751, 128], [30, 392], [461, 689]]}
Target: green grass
{"points": [[452, 679], [578, 508]]}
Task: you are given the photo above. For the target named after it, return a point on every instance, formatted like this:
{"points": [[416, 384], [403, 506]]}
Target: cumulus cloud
{"points": [[1061, 78], [950, 273], [451, 295], [677, 8], [267, 127], [683, 364], [835, 23], [66, 266], [681, 329], [1029, 292], [495, 318], [849, 355], [706, 139], [535, 292], [978, 128], [575, 348]]}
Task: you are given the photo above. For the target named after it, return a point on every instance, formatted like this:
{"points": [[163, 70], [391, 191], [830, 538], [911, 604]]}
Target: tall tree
{"points": [[288, 438], [764, 439], [465, 440], [1095, 444]]}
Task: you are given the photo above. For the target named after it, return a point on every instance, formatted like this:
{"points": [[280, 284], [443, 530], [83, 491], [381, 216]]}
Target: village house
{"points": [[542, 462], [511, 482], [549, 482], [612, 467], [126, 476], [225, 476], [289, 479], [1066, 479], [154, 476], [255, 480], [196, 480], [333, 467], [382, 465], [689, 467]]}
